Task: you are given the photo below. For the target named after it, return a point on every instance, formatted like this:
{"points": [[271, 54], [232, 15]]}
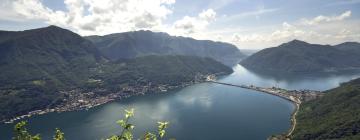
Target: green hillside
{"points": [[302, 57], [335, 116], [37, 63], [142, 43]]}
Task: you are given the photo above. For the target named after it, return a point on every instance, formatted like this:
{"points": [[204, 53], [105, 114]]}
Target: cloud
{"points": [[98, 17], [189, 25], [322, 19], [254, 13], [208, 15], [330, 33]]}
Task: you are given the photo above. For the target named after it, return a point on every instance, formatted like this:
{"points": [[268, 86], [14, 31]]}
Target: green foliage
{"points": [[161, 128], [142, 43], [21, 132], [334, 116], [59, 135], [150, 136], [126, 133]]}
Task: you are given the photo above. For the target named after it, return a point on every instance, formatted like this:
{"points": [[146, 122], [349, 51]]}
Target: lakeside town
{"points": [[78, 100]]}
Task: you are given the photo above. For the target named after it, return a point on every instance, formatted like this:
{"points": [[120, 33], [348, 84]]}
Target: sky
{"points": [[248, 24]]}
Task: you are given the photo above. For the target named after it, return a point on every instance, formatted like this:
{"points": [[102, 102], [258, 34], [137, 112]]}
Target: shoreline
{"points": [[293, 120], [82, 102], [85, 107]]}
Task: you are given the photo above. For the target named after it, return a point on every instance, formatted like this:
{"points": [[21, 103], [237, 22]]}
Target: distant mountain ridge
{"points": [[300, 56], [142, 43]]}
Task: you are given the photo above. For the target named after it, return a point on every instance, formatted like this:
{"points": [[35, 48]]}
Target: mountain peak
{"points": [[295, 43], [54, 28]]}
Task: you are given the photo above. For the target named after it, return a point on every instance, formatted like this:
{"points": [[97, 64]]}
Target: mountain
{"points": [[334, 116], [142, 43], [36, 63], [164, 70], [351, 47], [49, 54], [299, 56], [39, 66]]}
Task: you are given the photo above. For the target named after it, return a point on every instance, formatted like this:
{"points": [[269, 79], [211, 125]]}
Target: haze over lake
{"points": [[201, 111]]}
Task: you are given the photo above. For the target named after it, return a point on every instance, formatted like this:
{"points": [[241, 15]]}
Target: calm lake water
{"points": [[203, 111]]}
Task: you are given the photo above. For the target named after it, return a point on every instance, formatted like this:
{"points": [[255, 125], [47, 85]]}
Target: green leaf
{"points": [[150, 136], [162, 125], [128, 135], [129, 113], [121, 123], [161, 133], [129, 126], [59, 135]]}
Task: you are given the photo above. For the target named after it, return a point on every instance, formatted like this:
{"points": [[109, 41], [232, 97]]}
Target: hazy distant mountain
{"points": [[334, 116], [249, 52], [299, 56], [141, 43]]}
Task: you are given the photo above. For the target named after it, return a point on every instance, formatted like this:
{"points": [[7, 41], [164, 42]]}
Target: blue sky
{"points": [[249, 24]]}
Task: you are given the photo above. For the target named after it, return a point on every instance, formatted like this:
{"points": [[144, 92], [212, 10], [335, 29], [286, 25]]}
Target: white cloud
{"points": [[330, 33], [189, 25], [88, 17], [6, 14], [99, 17], [208, 15], [321, 19]]}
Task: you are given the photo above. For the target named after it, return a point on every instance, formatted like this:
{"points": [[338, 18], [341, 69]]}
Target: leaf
{"points": [[161, 133], [150, 136], [163, 125], [121, 123], [129, 126], [129, 113], [128, 135]]}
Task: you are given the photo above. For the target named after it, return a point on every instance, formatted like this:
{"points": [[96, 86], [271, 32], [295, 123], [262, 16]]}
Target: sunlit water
{"points": [[203, 111]]}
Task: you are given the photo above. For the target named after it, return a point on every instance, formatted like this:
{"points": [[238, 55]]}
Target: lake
{"points": [[202, 111]]}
